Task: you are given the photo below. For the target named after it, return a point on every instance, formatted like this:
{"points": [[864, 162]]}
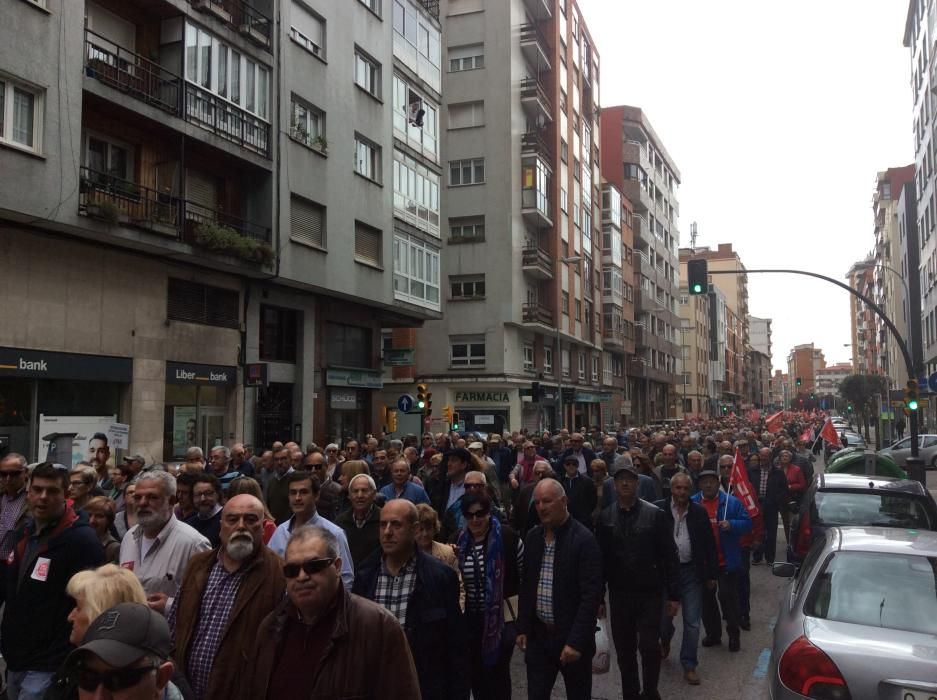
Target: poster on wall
{"points": [[184, 433], [84, 428]]}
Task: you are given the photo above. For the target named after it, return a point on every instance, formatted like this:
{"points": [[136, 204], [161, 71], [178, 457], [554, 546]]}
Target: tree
{"points": [[860, 391]]}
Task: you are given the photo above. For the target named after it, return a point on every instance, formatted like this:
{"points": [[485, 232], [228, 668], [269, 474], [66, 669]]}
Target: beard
{"points": [[240, 547], [151, 519]]}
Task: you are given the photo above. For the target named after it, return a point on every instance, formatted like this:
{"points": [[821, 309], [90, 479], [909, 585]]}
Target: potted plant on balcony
{"points": [[224, 239], [320, 144], [105, 210], [298, 132]]}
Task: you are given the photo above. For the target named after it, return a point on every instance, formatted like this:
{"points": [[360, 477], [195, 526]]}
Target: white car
{"points": [[901, 450]]}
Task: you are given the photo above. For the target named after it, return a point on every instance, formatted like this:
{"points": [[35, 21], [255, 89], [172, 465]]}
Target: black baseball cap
{"points": [[570, 458], [707, 472], [627, 470], [124, 634]]}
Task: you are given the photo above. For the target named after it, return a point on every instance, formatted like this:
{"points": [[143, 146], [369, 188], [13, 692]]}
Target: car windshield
{"points": [[871, 508], [896, 591]]}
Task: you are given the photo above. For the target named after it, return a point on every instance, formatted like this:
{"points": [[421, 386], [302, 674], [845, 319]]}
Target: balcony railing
{"points": [[131, 73], [538, 262], [431, 6], [533, 142], [537, 313], [226, 120], [115, 199], [196, 215], [531, 88], [241, 16]]}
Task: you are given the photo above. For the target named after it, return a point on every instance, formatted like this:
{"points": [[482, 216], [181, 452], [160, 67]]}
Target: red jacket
{"points": [[795, 479]]}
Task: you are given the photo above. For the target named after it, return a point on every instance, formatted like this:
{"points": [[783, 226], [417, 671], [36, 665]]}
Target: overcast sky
{"points": [[778, 116]]}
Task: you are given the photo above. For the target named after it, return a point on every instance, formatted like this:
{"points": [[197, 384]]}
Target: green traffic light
{"points": [[421, 404], [455, 426], [697, 289], [912, 405]]}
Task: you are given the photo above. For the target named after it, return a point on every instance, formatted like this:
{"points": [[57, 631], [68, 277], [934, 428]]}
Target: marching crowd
{"points": [[389, 568]]}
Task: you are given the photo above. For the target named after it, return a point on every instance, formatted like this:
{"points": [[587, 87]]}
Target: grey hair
{"points": [[311, 532], [363, 476], [17, 457], [194, 452], [481, 474], [165, 478], [623, 460], [694, 452], [216, 448], [397, 444], [557, 486], [542, 461]]}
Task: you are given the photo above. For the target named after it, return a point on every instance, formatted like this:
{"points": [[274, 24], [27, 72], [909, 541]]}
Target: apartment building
{"points": [[828, 380], [211, 272], [803, 363], [635, 160], [521, 343], [779, 389], [863, 321], [759, 362], [696, 337]]}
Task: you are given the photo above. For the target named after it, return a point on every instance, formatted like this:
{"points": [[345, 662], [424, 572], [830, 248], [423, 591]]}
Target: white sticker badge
{"points": [[41, 571]]}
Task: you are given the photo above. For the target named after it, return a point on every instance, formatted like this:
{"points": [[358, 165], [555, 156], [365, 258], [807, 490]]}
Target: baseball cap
{"points": [[135, 458], [570, 458], [476, 446], [125, 633], [707, 472]]}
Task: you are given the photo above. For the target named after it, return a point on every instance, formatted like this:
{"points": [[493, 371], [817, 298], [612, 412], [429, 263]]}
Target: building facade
{"points": [[803, 363], [864, 321], [759, 362], [828, 381], [635, 160], [695, 334]]}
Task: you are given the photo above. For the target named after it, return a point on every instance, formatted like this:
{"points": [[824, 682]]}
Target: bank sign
{"points": [[481, 397], [39, 364], [208, 375]]}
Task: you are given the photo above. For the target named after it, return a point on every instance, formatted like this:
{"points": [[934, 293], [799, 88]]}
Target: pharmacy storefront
{"points": [[486, 410]]}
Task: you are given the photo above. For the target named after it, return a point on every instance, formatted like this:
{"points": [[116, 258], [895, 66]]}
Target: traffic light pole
{"points": [[902, 345]]}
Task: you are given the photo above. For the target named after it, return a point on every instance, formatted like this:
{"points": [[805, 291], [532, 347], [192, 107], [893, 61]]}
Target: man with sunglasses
{"points": [[322, 641], [225, 595], [584, 455], [124, 654], [13, 510], [52, 546]]}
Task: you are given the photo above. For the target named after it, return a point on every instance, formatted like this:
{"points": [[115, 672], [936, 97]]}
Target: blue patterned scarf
{"points": [[494, 588]]}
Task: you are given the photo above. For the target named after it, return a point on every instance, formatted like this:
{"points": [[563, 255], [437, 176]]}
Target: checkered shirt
{"points": [[763, 486], [10, 510], [393, 592], [545, 584], [217, 603]]}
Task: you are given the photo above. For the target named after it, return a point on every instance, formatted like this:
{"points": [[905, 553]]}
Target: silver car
{"points": [[901, 450], [859, 621]]}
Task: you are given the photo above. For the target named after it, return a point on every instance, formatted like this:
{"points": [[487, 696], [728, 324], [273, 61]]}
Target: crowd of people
{"points": [[388, 568]]}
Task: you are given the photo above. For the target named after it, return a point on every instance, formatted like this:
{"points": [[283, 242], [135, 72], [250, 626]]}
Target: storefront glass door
{"points": [[211, 428]]}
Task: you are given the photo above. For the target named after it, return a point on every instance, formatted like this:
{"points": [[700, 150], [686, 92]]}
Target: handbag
{"points": [[509, 609]]}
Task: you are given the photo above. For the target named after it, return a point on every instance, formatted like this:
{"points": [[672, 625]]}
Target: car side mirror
{"points": [[793, 507], [784, 569]]}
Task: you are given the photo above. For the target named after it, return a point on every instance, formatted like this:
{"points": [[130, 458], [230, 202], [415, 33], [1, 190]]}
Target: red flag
{"points": [[741, 487], [807, 436], [828, 433], [774, 423]]}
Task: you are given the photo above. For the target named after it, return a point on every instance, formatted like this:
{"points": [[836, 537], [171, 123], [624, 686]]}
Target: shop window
{"points": [[348, 346], [201, 303], [278, 331]]}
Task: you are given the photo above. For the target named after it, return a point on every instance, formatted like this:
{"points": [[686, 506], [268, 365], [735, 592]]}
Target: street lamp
{"points": [[559, 351]]}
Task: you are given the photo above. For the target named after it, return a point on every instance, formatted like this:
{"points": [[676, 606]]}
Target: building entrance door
{"points": [[211, 428]]}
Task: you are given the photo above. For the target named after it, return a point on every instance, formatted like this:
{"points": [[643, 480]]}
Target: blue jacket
{"points": [[411, 492], [741, 524]]}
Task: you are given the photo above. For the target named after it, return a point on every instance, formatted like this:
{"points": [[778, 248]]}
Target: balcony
{"points": [[226, 120], [642, 266], [240, 16], [539, 9], [534, 47], [538, 314], [535, 207], [638, 196], [431, 6], [120, 202], [537, 263], [612, 338], [534, 100], [132, 74], [533, 143]]}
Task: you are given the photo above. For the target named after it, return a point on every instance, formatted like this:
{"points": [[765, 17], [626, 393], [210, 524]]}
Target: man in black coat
{"points": [[580, 492], [423, 593], [583, 454], [770, 484], [556, 630], [699, 568]]}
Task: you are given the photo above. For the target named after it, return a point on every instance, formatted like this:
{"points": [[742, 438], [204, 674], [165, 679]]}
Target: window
{"points": [[307, 30], [467, 172], [307, 222], [416, 42], [373, 5], [367, 158], [367, 73], [466, 229], [565, 303], [416, 271], [219, 69], [467, 352], [367, 244], [347, 346], [564, 359], [470, 57], [528, 358], [467, 287], [466, 115], [416, 193], [548, 360], [106, 158], [416, 119], [201, 303], [20, 115], [278, 333], [578, 310], [595, 368], [582, 365], [307, 124]]}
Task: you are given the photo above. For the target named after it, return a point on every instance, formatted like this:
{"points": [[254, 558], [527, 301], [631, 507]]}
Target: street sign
{"points": [[427, 422], [932, 382], [923, 383], [405, 402]]}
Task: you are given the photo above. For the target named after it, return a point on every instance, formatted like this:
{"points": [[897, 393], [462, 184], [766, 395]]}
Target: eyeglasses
{"points": [[10, 475], [113, 681], [310, 566], [475, 486], [476, 515]]}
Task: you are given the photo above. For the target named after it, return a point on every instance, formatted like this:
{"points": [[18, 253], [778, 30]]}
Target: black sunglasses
{"points": [[310, 566], [476, 514], [119, 679]]}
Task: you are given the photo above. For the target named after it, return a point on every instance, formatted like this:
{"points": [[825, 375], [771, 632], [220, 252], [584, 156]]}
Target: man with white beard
{"points": [[225, 595]]}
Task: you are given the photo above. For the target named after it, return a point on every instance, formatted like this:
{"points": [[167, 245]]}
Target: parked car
{"points": [[835, 500], [859, 619], [901, 450], [852, 440]]}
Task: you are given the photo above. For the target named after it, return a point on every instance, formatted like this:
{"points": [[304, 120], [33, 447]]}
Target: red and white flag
{"points": [[741, 487], [807, 436], [774, 423], [828, 433]]}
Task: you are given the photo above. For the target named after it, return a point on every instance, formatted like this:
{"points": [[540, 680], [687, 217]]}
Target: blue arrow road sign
{"points": [[405, 402], [932, 382]]}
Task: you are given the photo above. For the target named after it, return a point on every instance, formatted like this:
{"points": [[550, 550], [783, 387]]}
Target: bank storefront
{"points": [[199, 407], [44, 392]]}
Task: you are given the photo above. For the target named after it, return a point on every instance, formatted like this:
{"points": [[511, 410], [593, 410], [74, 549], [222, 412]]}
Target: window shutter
{"points": [[307, 222], [201, 303], [367, 244]]}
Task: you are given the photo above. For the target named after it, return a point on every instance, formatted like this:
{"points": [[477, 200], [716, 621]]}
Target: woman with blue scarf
{"points": [[491, 558]]}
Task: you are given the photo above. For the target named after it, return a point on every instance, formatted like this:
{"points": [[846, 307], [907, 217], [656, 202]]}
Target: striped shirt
{"points": [[545, 584], [473, 574], [393, 592]]}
